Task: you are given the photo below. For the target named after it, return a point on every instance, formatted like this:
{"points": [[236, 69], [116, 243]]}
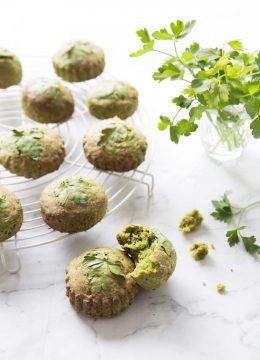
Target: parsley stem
{"points": [[252, 205], [180, 60], [243, 209], [176, 115], [163, 52], [240, 217]]}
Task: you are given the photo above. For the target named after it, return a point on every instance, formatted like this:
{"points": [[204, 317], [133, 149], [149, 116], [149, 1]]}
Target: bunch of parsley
{"points": [[216, 78]]}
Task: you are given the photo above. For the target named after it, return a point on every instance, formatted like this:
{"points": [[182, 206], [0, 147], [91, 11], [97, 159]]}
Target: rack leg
{"points": [[4, 261]]}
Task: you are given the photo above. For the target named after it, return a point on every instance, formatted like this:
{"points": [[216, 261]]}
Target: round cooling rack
{"points": [[119, 186]]}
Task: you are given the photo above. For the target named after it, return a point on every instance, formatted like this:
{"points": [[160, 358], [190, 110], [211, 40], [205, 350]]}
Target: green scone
{"points": [[73, 204], [10, 69], [79, 61], [47, 100], [98, 282], [153, 253], [32, 151], [11, 214], [111, 98], [114, 145]]}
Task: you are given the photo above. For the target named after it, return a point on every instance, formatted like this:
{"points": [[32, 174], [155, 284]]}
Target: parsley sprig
{"points": [[217, 78], [226, 212]]}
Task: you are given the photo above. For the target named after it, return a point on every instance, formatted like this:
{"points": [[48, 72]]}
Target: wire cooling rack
{"points": [[119, 186]]}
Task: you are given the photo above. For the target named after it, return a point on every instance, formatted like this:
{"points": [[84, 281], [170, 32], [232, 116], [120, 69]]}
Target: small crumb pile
{"points": [[199, 251], [191, 221]]}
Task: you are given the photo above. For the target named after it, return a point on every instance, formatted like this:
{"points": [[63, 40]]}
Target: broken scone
{"points": [[153, 254]]}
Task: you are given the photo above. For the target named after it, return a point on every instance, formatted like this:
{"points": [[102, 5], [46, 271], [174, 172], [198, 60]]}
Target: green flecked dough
{"points": [[153, 253], [11, 214], [98, 282], [10, 69]]}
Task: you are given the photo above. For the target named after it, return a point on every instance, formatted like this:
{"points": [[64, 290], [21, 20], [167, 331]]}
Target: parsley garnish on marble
{"points": [[226, 212], [216, 79]]}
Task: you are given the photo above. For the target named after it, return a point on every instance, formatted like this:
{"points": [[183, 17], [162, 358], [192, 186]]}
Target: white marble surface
{"points": [[184, 319]]}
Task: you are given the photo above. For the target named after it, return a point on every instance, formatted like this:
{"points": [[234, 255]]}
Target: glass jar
{"points": [[225, 139]]}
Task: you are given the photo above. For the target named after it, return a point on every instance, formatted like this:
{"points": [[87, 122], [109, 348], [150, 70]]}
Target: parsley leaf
{"points": [[180, 30], [74, 189], [146, 48], [166, 245], [174, 134], [116, 268], [255, 127], [236, 45], [223, 210], [3, 203], [164, 123], [186, 127], [116, 133], [182, 101], [250, 245], [100, 269], [18, 132], [144, 35], [196, 112], [177, 28], [162, 34], [27, 142], [253, 107], [168, 70], [187, 28], [233, 236]]}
